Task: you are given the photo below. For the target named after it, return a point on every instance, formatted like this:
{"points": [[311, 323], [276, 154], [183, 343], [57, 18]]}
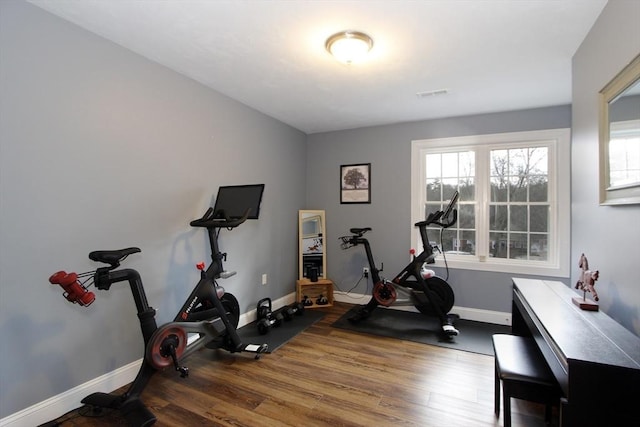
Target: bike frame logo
{"points": [[185, 314]]}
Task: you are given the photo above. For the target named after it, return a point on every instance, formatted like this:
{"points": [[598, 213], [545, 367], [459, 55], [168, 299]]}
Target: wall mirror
{"points": [[620, 138], [311, 244]]}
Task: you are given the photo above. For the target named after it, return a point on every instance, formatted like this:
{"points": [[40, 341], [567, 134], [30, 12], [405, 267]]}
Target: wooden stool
{"points": [[524, 374]]}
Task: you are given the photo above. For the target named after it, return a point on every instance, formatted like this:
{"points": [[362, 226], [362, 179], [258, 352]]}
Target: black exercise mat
{"points": [[474, 337], [276, 337]]}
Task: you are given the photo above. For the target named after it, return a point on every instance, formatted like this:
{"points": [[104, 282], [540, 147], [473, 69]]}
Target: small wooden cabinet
{"points": [[314, 290]]}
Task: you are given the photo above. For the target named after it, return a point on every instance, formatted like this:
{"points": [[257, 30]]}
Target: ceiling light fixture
{"points": [[349, 46]]}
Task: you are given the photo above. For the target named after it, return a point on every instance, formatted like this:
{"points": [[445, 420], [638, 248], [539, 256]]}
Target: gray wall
{"points": [[101, 149], [388, 149], [609, 236]]}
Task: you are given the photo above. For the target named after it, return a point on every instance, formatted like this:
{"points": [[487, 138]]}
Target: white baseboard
{"points": [[467, 313], [58, 405], [252, 315], [486, 316]]}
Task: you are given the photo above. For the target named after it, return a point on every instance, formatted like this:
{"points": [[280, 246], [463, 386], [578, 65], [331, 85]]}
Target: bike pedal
{"points": [[184, 371], [259, 350], [449, 330]]}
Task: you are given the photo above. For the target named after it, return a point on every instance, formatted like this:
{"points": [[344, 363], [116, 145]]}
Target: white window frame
{"points": [[559, 174]]}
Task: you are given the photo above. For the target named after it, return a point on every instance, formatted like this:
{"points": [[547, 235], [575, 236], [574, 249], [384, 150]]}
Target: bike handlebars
{"points": [[350, 241], [445, 219], [441, 218], [434, 218], [218, 219]]}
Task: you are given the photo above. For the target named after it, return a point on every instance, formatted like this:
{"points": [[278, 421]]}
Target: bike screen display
{"points": [[451, 205], [233, 201]]}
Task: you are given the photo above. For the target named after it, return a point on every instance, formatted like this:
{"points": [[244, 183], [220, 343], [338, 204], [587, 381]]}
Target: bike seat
{"points": [[112, 257], [359, 231]]}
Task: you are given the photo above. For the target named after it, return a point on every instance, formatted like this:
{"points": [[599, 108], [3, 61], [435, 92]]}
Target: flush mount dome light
{"points": [[349, 46]]}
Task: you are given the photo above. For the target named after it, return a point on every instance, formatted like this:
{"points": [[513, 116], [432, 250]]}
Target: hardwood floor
{"points": [[329, 377]]}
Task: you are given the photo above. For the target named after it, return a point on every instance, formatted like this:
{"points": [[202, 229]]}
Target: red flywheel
{"points": [[158, 350], [384, 293]]}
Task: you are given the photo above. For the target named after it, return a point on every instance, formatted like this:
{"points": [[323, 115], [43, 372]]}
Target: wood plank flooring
{"points": [[329, 377]]}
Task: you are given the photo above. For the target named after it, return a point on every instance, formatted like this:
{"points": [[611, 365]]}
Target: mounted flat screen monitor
{"points": [[452, 204], [233, 201]]}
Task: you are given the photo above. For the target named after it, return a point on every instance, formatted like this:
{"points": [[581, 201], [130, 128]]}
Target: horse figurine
{"points": [[588, 278]]}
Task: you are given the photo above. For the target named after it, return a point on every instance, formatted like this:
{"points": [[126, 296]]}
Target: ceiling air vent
{"points": [[427, 94]]}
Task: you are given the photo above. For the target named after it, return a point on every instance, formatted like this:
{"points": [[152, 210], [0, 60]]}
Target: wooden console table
{"points": [[595, 360], [313, 290]]}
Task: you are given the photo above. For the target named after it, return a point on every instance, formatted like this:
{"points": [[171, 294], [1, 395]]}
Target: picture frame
{"points": [[355, 183]]}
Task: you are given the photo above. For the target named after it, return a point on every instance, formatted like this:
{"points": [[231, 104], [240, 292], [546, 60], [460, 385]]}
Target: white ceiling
{"points": [[491, 55]]}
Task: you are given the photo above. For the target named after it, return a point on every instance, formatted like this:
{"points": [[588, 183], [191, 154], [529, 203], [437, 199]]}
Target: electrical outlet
{"points": [[264, 279], [365, 271]]}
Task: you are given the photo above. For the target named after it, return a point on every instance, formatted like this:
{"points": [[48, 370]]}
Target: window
{"points": [[513, 210], [624, 154]]}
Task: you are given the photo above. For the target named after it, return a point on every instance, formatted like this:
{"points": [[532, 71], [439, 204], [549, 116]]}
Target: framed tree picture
{"points": [[355, 183]]}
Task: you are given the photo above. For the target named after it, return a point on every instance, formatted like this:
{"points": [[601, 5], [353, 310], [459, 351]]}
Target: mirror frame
{"points": [[310, 214], [628, 194]]}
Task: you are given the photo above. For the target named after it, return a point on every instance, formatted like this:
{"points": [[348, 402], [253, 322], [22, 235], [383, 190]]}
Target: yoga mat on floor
{"points": [[276, 337], [474, 337]]}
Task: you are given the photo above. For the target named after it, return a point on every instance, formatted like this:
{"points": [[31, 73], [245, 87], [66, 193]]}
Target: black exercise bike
{"points": [[415, 285], [208, 318]]}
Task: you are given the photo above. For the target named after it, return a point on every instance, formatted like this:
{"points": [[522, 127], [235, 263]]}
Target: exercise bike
{"points": [[415, 285], [210, 315]]}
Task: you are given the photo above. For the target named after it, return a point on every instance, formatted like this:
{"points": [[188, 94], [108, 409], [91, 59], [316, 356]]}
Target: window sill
{"points": [[511, 267]]}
